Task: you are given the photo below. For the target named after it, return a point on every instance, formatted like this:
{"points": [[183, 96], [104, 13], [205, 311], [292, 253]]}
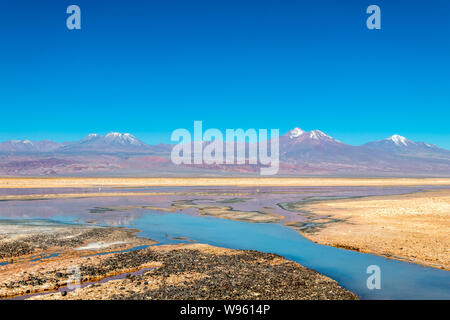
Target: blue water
{"points": [[399, 280], [45, 257]]}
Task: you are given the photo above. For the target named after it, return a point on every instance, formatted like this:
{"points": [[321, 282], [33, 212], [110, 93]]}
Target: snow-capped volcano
{"points": [[109, 143], [399, 140], [299, 146], [401, 145], [296, 132], [297, 135], [28, 146], [113, 138], [18, 146], [403, 142], [319, 135], [90, 137]]}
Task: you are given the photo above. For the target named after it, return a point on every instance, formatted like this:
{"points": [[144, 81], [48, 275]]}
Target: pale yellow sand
{"points": [[219, 181], [413, 227]]}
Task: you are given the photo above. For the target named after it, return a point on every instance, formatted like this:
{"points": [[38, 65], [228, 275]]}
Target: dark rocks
{"points": [[14, 249], [243, 275]]}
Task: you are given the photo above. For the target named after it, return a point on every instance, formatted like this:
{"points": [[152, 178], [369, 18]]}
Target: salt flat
{"points": [[79, 182]]}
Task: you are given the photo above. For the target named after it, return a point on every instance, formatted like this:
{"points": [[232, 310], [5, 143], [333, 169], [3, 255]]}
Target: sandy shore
{"points": [[413, 227], [242, 182], [40, 258]]}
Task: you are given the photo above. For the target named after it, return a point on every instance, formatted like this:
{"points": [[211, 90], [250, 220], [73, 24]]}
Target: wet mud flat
{"points": [[41, 257]]}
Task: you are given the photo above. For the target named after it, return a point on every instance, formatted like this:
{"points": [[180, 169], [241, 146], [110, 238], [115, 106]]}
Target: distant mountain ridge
{"points": [[301, 153], [113, 142], [29, 146], [128, 142]]}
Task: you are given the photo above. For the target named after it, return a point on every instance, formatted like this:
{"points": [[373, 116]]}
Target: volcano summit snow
{"points": [[113, 142]]}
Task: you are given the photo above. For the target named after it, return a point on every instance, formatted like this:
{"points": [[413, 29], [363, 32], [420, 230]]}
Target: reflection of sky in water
{"points": [[399, 279], [85, 209]]}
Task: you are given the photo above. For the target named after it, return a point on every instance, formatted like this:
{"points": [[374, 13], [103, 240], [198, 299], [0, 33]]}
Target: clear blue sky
{"points": [[149, 67]]}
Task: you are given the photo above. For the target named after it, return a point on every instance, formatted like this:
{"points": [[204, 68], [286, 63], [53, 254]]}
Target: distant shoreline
{"points": [[78, 182]]}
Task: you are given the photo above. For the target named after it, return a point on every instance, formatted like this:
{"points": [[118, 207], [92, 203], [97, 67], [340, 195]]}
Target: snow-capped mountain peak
{"points": [[317, 135], [113, 134], [313, 134], [122, 138], [90, 137], [28, 146], [113, 138], [108, 143], [399, 140], [21, 142], [298, 137], [401, 145], [296, 132]]}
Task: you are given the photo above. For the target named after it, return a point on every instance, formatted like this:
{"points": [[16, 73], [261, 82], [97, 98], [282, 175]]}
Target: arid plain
{"points": [[77, 182]]}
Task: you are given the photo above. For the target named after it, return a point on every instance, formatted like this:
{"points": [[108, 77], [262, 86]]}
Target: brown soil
{"points": [[413, 227]]}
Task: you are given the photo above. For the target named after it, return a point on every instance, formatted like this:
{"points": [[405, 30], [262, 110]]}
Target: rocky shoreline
{"points": [[198, 271]]}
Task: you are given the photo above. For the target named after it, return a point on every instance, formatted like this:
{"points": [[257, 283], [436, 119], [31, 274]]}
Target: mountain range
{"points": [[305, 153]]}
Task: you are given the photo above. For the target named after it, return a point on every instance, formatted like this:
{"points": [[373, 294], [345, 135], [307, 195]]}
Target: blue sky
{"points": [[150, 67]]}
